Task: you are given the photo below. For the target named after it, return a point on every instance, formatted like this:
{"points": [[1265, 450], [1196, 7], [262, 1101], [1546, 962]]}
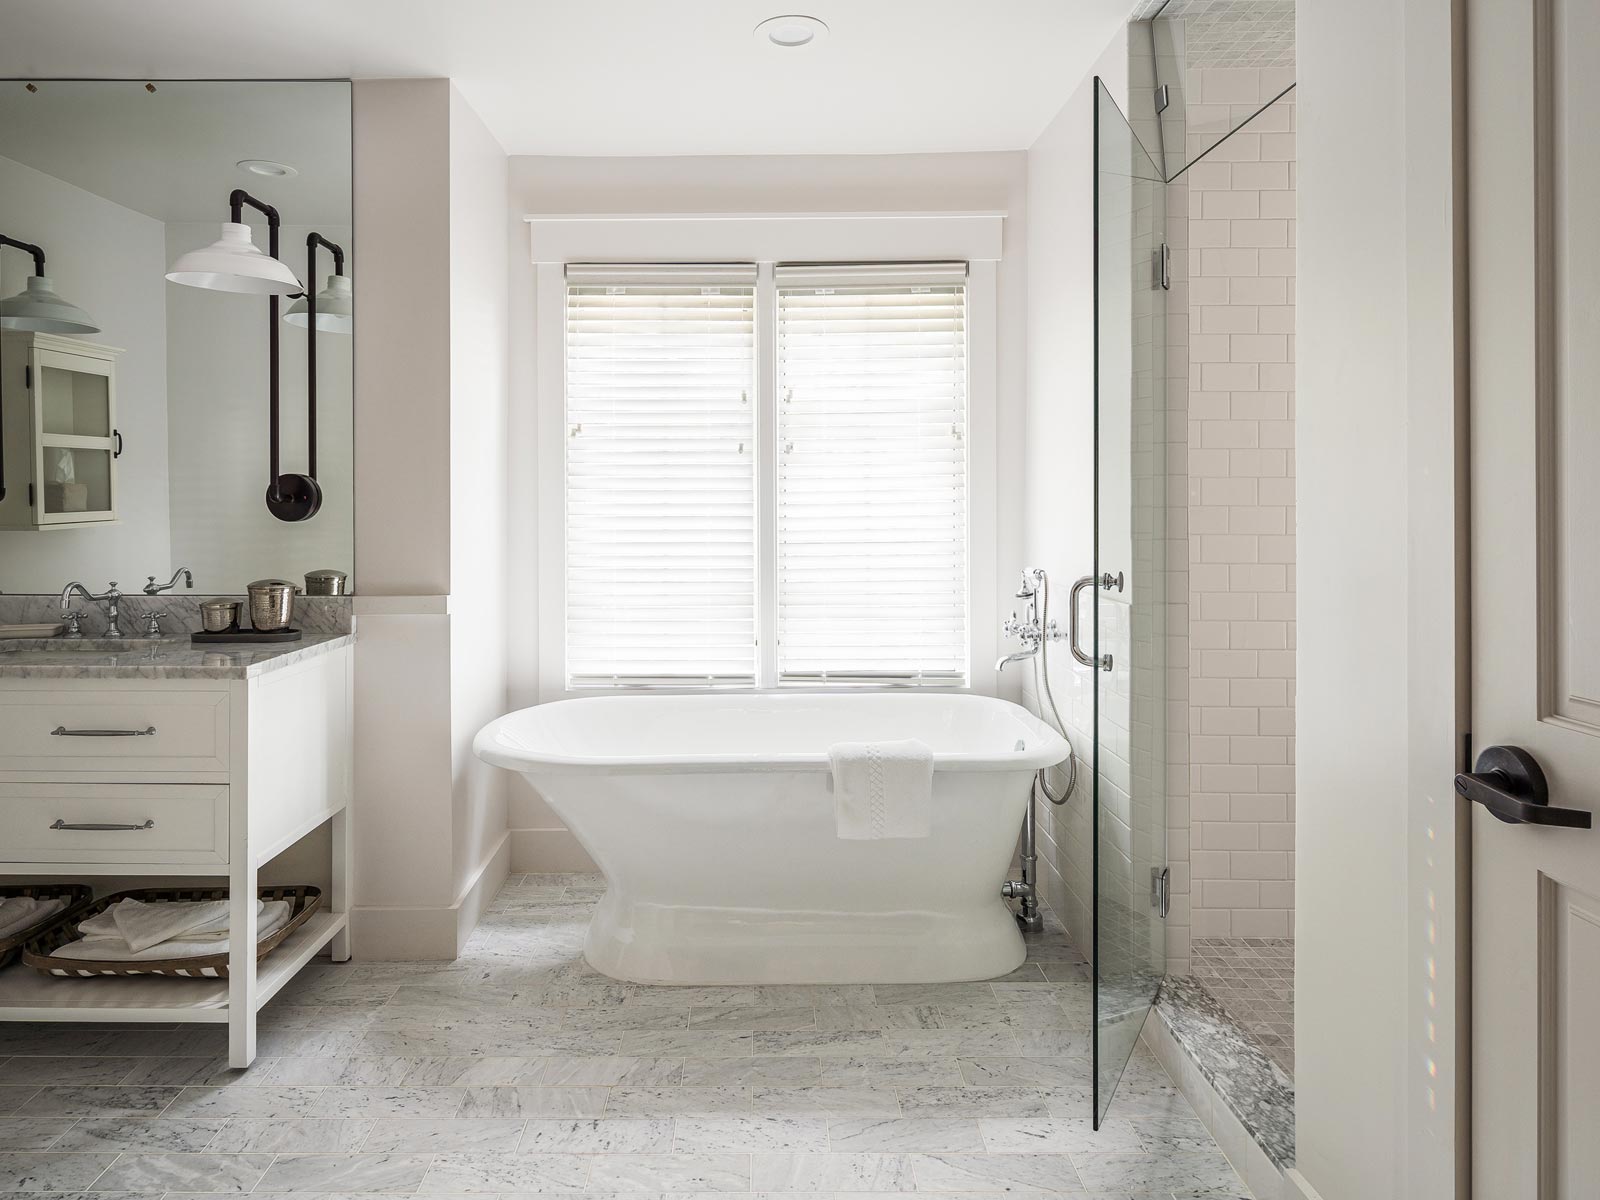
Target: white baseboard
{"points": [[402, 933], [1295, 1187], [548, 851]]}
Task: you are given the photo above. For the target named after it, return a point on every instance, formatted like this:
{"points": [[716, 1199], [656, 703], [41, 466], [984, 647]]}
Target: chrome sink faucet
{"points": [[113, 601], [155, 589]]}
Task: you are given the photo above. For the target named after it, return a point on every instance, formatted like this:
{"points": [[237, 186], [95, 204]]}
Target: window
{"points": [[733, 523], [661, 504], [872, 475]]}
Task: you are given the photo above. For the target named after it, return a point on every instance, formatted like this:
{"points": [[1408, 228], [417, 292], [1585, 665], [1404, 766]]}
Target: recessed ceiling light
{"points": [[791, 31], [265, 166]]}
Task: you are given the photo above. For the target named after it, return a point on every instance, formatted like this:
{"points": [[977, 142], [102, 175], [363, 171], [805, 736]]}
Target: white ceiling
{"points": [[623, 77], [172, 154]]}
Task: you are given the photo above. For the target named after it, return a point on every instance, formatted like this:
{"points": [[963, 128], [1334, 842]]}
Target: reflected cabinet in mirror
{"points": [[176, 314]]}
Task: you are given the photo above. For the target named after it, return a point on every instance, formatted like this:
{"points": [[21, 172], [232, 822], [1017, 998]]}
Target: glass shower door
{"points": [[1132, 273]]}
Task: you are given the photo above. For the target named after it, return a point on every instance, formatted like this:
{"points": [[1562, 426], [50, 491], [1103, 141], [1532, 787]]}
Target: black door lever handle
{"points": [[1510, 784]]}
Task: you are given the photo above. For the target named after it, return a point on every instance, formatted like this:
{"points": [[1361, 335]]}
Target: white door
{"points": [[1533, 89]]}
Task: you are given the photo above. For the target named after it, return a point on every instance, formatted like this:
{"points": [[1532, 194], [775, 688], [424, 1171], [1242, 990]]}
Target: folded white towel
{"points": [[274, 915], [19, 912], [140, 924], [882, 789]]}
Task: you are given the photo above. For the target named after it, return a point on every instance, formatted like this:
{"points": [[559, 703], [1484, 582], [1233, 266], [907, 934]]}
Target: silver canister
{"points": [[271, 604], [218, 616], [326, 582]]}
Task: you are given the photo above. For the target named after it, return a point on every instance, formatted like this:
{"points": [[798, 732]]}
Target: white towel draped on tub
{"points": [[882, 789]]}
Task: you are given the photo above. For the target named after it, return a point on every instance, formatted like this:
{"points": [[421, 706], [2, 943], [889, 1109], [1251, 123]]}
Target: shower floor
{"points": [[1253, 979]]}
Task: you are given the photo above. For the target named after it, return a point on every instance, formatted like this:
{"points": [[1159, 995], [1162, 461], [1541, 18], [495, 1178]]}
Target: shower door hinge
{"points": [[1163, 98], [1163, 271], [1160, 890]]}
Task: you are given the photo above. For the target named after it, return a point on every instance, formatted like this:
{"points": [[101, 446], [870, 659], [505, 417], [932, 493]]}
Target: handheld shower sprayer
{"points": [[1036, 630]]}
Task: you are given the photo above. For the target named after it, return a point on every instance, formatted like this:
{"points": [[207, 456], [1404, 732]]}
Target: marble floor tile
{"points": [[1124, 1171], [797, 1071], [1001, 1172], [322, 1136], [138, 1171], [838, 1171], [101, 1101], [389, 1102], [32, 1133], [20, 1172], [670, 1173], [679, 1101], [176, 1135], [904, 1133], [825, 1101], [610, 1071], [13, 1098], [534, 1102], [346, 1173], [393, 1135], [744, 1135], [603, 1136], [891, 1072], [518, 1071], [974, 1101], [1026, 1072], [754, 1017], [478, 1172], [1057, 1135], [64, 1070]]}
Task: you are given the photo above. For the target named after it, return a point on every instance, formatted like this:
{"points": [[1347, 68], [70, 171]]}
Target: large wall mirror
{"points": [[143, 447]]}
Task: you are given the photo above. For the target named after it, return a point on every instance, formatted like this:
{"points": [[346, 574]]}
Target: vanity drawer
{"points": [[88, 730], [152, 822]]}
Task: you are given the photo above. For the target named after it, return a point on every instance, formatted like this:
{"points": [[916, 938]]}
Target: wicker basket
{"points": [[78, 896], [39, 951]]}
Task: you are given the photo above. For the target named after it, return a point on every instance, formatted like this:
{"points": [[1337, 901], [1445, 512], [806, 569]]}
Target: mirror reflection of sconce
{"points": [[37, 309], [233, 263], [331, 310]]}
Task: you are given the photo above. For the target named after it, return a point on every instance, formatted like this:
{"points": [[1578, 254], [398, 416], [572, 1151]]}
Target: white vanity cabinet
{"points": [[58, 418], [111, 774]]}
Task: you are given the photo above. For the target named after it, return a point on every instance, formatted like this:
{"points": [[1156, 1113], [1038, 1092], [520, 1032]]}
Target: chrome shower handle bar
{"points": [[1108, 581]]}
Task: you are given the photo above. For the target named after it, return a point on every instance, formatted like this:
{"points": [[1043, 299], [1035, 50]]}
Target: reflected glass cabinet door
{"points": [[64, 471]]}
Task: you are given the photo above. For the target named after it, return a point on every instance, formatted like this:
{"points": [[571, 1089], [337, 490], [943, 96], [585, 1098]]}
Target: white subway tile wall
{"points": [[1233, 328]]}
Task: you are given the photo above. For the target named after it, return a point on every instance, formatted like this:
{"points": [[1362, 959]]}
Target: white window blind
{"points": [[872, 488], [660, 476]]}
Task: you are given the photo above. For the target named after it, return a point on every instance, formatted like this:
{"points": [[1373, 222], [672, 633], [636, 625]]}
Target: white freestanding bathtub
{"points": [[712, 818]]}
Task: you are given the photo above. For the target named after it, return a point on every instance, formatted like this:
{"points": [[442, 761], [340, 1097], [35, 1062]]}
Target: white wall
{"points": [[1059, 446], [1377, 966], [479, 368], [871, 184], [430, 366], [217, 354], [110, 261]]}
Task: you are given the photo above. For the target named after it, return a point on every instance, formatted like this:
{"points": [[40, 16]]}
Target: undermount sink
{"points": [[89, 645]]}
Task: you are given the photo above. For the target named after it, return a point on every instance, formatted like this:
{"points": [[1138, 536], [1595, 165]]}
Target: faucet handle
{"points": [[152, 624], [74, 628]]}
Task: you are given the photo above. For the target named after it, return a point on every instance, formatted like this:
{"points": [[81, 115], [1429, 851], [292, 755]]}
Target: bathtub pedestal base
{"points": [[673, 944]]}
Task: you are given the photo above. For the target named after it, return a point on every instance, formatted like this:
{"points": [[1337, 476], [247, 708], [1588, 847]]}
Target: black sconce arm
{"points": [[289, 497], [38, 269], [28, 247], [313, 240]]}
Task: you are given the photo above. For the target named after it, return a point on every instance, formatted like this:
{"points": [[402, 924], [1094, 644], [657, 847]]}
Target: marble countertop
{"points": [[166, 658]]}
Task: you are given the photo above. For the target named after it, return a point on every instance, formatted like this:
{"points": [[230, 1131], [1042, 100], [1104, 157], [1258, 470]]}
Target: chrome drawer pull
{"points": [[98, 827], [63, 731]]}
